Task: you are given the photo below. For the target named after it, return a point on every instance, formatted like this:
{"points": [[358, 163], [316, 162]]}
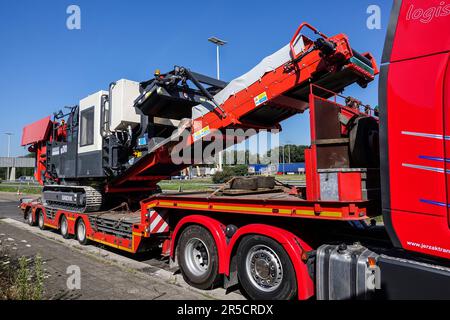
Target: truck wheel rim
{"points": [[264, 268], [196, 256], [81, 231], [30, 218], [41, 220], [63, 225]]}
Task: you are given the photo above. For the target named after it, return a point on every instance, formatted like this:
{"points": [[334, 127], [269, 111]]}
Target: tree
{"points": [[29, 155], [297, 153], [229, 172]]}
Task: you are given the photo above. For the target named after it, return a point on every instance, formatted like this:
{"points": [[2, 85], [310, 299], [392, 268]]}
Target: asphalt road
{"points": [[9, 209], [106, 273], [8, 206]]}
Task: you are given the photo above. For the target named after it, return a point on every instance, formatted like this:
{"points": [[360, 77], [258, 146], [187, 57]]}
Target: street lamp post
{"points": [[283, 146], [9, 134], [289, 153], [289, 143], [218, 42]]}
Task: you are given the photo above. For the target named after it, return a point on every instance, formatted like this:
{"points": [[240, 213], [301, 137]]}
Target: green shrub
{"points": [[38, 289], [229, 172], [21, 278]]}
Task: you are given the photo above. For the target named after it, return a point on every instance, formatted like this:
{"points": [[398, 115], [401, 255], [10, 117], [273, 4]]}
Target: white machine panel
{"points": [[123, 113], [89, 137]]}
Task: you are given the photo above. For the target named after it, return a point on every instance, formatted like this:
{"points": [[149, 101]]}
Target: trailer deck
{"points": [[271, 203], [124, 229]]}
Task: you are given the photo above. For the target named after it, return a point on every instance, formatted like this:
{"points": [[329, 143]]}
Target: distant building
{"points": [[281, 168]]}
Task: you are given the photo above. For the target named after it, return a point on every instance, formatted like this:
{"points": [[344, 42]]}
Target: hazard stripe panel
{"points": [[159, 221]]}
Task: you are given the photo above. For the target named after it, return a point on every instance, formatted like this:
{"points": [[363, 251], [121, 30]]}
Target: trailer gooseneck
{"points": [[101, 162]]}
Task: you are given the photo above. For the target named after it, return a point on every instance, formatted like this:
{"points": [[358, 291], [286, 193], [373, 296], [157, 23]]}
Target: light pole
{"points": [[9, 134], [289, 153], [283, 158], [289, 150], [218, 42]]}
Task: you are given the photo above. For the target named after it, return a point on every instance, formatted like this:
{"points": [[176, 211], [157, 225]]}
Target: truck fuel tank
{"points": [[345, 272]]}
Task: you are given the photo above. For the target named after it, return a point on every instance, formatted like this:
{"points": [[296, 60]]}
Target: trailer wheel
{"points": [[198, 258], [29, 217], [265, 270], [41, 220], [64, 227], [81, 232]]}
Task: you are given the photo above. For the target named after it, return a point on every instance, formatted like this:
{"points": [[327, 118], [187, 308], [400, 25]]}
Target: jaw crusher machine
{"points": [[115, 145]]}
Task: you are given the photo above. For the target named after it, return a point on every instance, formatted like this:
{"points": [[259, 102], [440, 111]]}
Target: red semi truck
{"points": [[275, 241]]}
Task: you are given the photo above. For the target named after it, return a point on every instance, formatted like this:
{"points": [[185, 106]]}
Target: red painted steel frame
{"points": [[132, 246], [36, 132], [288, 208], [350, 184], [36, 135]]}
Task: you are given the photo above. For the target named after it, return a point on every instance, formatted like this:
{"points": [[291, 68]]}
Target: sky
{"points": [[44, 66]]}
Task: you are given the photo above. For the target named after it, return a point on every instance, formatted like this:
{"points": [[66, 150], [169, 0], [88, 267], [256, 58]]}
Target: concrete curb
{"points": [[165, 275]]}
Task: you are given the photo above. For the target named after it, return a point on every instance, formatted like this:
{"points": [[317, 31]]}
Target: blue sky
{"points": [[44, 66]]}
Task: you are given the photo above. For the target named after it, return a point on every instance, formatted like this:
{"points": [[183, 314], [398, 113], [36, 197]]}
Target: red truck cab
{"points": [[414, 99]]}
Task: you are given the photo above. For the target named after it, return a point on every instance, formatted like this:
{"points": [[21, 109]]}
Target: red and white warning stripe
{"points": [[159, 221]]}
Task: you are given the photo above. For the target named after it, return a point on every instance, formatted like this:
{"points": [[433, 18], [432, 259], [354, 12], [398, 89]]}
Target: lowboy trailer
{"points": [[100, 170]]}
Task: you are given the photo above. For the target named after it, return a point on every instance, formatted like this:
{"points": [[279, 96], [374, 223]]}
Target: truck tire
{"points": [[29, 217], [265, 270], [64, 227], [81, 232], [198, 258], [41, 220]]}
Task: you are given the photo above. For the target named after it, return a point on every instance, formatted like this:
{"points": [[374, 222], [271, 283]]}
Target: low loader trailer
{"points": [[204, 231], [100, 165]]}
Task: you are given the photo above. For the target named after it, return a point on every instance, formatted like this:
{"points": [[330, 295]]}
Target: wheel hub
{"points": [[264, 268], [197, 256]]}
